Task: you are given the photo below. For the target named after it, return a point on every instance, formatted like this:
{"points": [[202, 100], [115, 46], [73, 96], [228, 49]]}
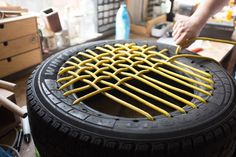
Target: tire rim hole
{"points": [[120, 111], [136, 120]]}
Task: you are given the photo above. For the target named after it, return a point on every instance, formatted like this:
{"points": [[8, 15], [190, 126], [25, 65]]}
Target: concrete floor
{"points": [[21, 90], [27, 150]]}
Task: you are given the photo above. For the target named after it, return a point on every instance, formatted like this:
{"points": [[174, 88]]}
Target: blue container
{"points": [[122, 23]]}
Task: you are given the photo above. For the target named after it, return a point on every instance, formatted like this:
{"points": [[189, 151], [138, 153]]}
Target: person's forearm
{"points": [[191, 26], [208, 8]]}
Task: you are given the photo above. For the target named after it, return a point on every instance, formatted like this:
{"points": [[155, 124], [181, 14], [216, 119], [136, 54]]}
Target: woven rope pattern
{"points": [[122, 63]]}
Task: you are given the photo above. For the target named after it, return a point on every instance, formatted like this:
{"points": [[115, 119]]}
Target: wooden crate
{"points": [[19, 44], [12, 28], [19, 62]]}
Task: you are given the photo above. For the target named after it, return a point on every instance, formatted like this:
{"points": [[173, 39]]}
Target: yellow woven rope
{"points": [[179, 63], [124, 60]]}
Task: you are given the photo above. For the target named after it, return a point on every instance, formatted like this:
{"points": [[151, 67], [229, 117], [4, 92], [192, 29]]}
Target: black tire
{"points": [[62, 130]]}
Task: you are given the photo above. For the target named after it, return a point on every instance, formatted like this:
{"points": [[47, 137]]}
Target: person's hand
{"points": [[186, 29]]}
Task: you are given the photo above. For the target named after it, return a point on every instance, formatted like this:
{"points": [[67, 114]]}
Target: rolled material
{"points": [[7, 85], [12, 107], [52, 20]]}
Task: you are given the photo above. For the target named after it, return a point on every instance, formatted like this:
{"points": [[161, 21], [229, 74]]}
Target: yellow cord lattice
{"points": [[122, 63]]}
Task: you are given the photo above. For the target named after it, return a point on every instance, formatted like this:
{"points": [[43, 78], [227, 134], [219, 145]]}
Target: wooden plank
{"points": [[5, 93], [19, 45], [18, 18], [14, 28], [231, 62], [154, 21], [13, 9], [138, 29], [211, 49], [10, 120], [11, 106], [7, 85], [20, 62]]}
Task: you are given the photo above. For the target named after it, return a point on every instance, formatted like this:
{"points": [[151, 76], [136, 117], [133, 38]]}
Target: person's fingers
{"points": [[176, 28], [174, 32], [184, 40], [178, 33], [179, 29], [180, 40]]}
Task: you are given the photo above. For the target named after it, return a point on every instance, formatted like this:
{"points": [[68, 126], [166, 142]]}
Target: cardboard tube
{"points": [[52, 19], [7, 85], [12, 107]]}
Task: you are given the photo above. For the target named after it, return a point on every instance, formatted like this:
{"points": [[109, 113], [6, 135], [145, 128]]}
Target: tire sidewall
{"points": [[208, 117]]}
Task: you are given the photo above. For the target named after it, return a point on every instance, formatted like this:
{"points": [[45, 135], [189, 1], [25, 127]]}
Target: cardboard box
{"points": [[146, 29]]}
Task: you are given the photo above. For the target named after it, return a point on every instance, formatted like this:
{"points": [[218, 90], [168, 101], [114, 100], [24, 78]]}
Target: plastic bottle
{"points": [[122, 23]]}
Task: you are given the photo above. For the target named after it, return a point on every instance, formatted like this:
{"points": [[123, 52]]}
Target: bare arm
{"points": [[191, 27], [208, 8]]}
